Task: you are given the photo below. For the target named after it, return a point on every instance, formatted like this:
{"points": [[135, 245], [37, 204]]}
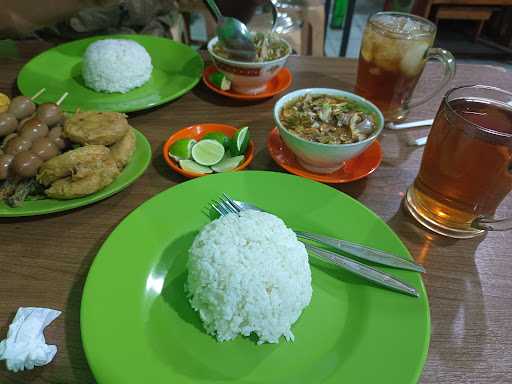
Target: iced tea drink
{"points": [[394, 51], [466, 170]]}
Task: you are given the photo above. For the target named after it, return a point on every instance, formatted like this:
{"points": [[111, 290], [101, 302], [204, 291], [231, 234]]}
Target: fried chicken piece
{"points": [[123, 150], [67, 163], [88, 128], [90, 178]]}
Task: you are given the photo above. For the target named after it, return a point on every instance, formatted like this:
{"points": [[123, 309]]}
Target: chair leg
{"points": [[178, 30], [316, 17], [479, 30], [305, 38], [187, 36]]}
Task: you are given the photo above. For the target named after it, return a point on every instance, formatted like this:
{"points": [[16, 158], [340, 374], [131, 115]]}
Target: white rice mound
{"points": [[116, 65], [248, 273]]}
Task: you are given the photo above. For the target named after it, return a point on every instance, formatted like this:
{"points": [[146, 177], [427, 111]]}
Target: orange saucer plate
{"points": [[278, 84], [355, 169], [196, 132]]}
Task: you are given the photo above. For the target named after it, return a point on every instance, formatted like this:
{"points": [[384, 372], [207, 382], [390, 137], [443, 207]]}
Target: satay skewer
{"points": [[39, 93], [62, 98]]}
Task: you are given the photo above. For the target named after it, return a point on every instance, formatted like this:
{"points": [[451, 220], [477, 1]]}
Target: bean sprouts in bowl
{"points": [[248, 78]]}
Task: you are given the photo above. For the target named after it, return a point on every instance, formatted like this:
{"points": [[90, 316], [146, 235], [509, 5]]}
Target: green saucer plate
{"points": [[177, 68], [138, 327], [133, 170]]}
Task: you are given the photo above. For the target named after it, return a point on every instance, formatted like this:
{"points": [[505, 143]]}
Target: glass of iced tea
{"points": [[394, 51], [466, 170]]}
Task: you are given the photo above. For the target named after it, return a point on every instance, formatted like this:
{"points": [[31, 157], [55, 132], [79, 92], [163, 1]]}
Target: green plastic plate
{"points": [[131, 172], [138, 327], [176, 69]]}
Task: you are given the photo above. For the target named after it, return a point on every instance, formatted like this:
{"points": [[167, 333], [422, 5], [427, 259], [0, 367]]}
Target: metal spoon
{"points": [[234, 35]]}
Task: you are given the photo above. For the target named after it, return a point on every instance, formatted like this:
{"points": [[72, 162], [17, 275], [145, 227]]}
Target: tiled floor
{"points": [[365, 8]]}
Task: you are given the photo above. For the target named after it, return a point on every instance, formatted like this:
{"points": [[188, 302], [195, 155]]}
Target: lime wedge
{"points": [[208, 152], [228, 164], [182, 149], [217, 136], [225, 84], [239, 142], [220, 81], [192, 166]]}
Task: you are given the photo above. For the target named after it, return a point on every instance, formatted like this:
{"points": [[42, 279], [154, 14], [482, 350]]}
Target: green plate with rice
{"points": [[138, 327], [177, 68]]}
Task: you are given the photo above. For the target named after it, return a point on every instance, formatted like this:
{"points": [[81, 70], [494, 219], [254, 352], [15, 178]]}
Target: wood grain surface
{"points": [[44, 260]]}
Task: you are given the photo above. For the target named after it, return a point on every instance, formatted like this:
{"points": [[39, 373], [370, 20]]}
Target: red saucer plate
{"points": [[355, 169], [278, 84]]}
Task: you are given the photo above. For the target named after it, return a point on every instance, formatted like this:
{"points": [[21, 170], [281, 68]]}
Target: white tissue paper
{"points": [[25, 346]]}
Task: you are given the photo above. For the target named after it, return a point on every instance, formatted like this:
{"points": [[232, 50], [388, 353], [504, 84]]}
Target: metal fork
{"points": [[227, 205]]}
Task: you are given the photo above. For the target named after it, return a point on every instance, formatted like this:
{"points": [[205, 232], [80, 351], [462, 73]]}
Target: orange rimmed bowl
{"points": [[196, 132], [248, 78]]}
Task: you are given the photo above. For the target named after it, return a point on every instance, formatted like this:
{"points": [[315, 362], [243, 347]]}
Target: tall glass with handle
{"points": [[466, 169], [394, 51]]}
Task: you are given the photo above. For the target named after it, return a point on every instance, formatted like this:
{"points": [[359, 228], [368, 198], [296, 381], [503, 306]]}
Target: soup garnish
{"points": [[327, 119], [268, 47]]}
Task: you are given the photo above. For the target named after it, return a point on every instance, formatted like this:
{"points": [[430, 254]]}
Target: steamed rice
{"points": [[116, 65], [248, 273]]}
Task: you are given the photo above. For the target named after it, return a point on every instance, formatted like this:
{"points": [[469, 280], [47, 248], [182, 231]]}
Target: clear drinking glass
{"points": [[466, 169], [394, 51]]}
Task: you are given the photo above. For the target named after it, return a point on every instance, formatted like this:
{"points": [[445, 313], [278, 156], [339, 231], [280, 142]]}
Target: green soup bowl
{"points": [[325, 158]]}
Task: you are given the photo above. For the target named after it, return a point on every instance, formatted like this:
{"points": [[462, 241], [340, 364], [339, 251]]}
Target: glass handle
{"points": [[448, 63], [489, 224]]}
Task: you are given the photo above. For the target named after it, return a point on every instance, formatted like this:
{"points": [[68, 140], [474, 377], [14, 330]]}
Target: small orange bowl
{"points": [[196, 132]]}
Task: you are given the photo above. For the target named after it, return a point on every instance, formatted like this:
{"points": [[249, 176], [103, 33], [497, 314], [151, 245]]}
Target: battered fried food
{"points": [[85, 182], [122, 151], [88, 169], [68, 163], [88, 128]]}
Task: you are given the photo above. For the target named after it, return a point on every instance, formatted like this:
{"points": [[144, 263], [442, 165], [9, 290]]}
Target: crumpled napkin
{"points": [[25, 346]]}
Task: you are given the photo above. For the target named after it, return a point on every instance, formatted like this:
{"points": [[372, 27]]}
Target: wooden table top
{"points": [[44, 260]]}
